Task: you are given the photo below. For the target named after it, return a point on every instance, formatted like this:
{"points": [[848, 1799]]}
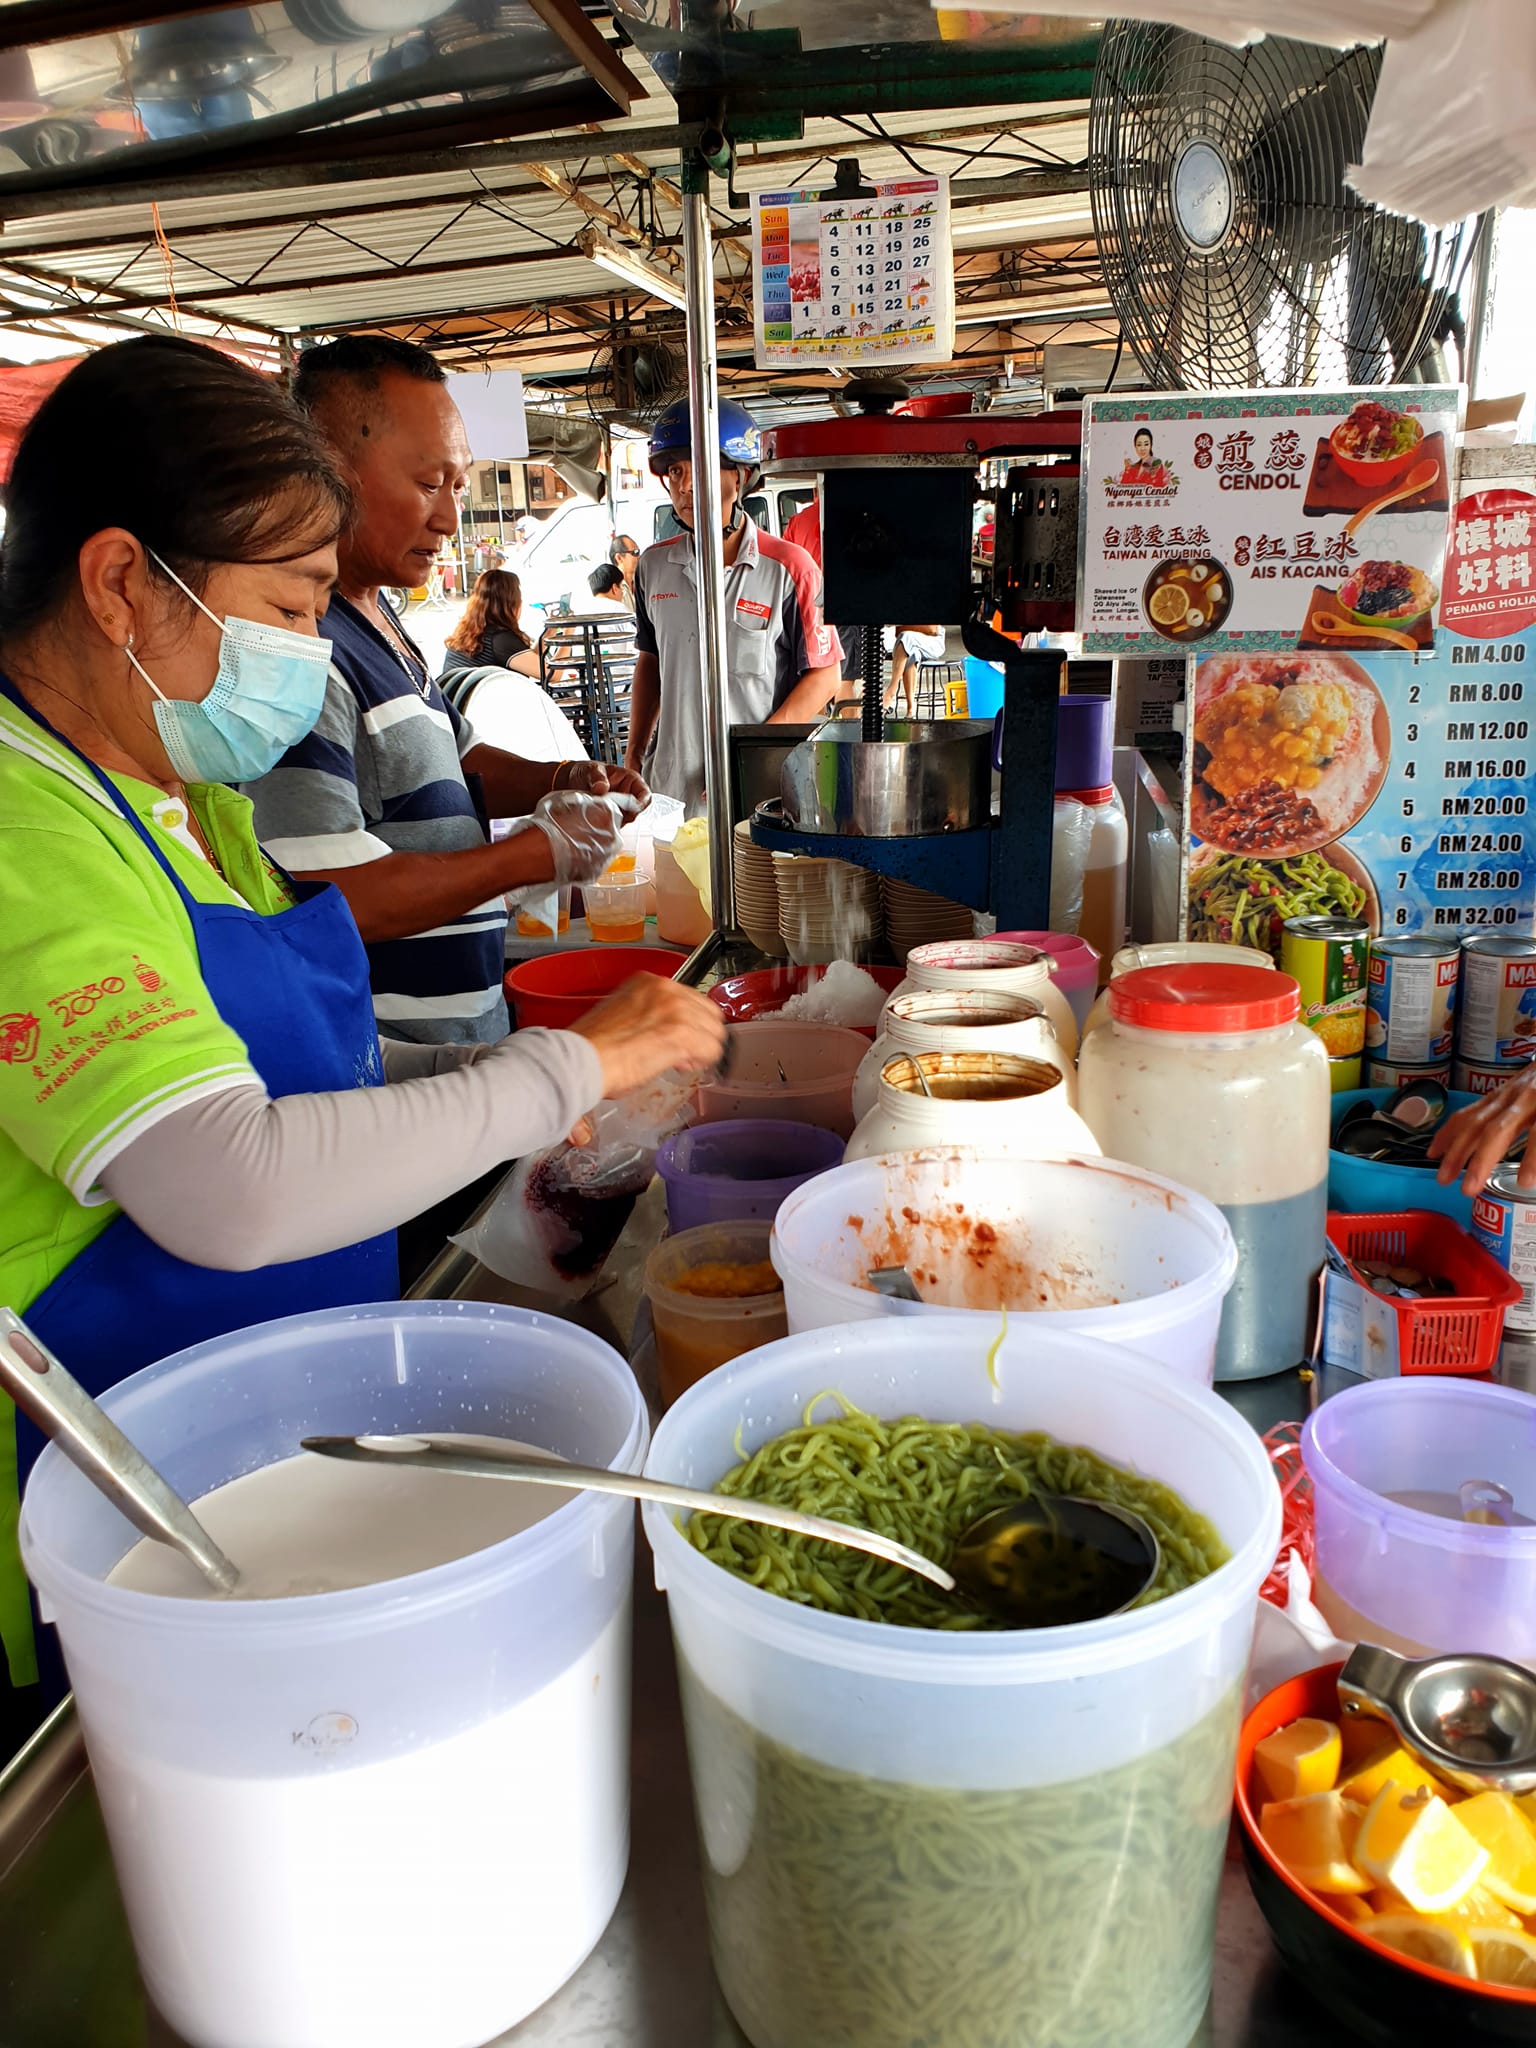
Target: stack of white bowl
{"points": [[757, 893], [828, 909], [916, 917]]}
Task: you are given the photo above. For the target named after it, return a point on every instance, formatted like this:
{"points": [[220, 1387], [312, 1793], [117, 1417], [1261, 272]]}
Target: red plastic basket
{"points": [[1446, 1333]]}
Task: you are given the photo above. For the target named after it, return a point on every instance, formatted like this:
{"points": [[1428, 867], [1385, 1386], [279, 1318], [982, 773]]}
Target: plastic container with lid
{"points": [[1085, 741], [1396, 1563], [984, 1020], [1087, 1245], [1102, 918], [834, 1745], [1172, 953], [1005, 964], [728, 1172], [994, 1101], [800, 1073], [1076, 969], [706, 1324], [1206, 1071], [353, 1816]]}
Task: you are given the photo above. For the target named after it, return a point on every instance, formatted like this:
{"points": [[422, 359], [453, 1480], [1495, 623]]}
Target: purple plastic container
{"points": [[1395, 1573], [1085, 743], [741, 1169]]}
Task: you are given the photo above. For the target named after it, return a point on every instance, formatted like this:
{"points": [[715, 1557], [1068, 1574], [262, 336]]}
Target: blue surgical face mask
{"points": [[265, 698]]}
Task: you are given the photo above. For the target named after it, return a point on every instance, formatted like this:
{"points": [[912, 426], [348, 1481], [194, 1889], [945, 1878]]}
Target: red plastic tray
{"points": [[1457, 1333]]}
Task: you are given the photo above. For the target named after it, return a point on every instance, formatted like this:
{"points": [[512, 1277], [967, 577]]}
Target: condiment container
{"points": [[1171, 953], [959, 1765], [1395, 1561], [801, 1073], [1004, 965], [703, 1311], [995, 1101], [728, 1172], [355, 1817], [1089, 1246], [1076, 972], [1206, 1071], [932, 1020], [1102, 919], [681, 918]]}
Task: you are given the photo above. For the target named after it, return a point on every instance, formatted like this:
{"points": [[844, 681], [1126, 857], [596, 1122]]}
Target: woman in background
{"points": [[489, 634]]}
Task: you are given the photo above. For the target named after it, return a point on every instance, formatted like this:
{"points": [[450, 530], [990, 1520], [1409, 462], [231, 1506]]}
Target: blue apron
{"points": [[294, 986]]}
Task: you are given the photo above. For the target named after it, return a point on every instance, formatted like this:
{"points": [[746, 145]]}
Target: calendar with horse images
{"points": [[867, 279]]}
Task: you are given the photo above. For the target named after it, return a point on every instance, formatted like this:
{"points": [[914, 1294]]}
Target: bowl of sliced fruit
{"points": [[1407, 1904]]}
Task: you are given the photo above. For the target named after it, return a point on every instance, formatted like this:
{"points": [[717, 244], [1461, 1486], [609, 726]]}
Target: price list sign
{"points": [[1371, 787], [865, 280]]}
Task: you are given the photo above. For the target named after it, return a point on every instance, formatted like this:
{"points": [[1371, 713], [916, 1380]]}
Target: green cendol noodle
{"points": [[855, 1912], [921, 1483]]}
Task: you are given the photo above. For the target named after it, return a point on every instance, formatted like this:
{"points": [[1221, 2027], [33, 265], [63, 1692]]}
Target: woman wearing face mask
{"points": [[195, 1134]]}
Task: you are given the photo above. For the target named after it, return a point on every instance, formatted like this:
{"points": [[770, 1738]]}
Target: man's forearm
{"points": [[405, 893], [644, 708], [810, 696], [512, 785]]}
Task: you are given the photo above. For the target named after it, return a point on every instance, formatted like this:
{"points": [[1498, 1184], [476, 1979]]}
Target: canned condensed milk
{"points": [[1498, 999], [1326, 957], [1504, 1223], [1388, 1074], [1468, 1078], [1410, 1003]]}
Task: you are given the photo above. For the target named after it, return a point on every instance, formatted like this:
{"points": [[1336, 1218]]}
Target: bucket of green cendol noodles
{"points": [[921, 1830]]}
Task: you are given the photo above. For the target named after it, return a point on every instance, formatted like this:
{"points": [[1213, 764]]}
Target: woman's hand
{"points": [[649, 1026], [1473, 1141]]}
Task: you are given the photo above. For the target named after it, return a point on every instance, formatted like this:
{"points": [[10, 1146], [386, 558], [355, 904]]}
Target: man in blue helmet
{"points": [[785, 664]]}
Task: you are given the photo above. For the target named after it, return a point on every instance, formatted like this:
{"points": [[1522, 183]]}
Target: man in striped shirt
{"points": [[390, 795]]}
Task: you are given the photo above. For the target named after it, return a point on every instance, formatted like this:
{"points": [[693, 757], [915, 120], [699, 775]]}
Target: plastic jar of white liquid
{"points": [[985, 1020], [1171, 953], [1001, 964], [1205, 1072], [393, 1815]]}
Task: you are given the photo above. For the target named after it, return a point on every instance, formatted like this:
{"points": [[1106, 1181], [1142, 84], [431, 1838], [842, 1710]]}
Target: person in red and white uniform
{"points": [[785, 663]]}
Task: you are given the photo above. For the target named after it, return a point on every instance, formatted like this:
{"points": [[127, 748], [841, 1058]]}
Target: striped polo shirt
{"points": [[381, 774]]}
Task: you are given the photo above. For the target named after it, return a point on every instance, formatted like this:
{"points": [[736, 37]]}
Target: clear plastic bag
{"points": [[553, 1225], [1071, 836]]}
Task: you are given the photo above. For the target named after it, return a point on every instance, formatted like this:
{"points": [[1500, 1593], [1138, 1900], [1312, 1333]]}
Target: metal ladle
{"points": [[1043, 1561], [89, 1438]]}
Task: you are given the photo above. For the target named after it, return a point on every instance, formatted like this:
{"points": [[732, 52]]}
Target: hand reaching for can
{"points": [[1473, 1141]]}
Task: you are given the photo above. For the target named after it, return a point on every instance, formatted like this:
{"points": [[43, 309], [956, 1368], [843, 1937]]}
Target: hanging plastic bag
{"points": [[1071, 835], [558, 1216]]}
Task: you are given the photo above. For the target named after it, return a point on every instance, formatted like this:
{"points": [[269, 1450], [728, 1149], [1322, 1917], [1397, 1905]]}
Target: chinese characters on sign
{"points": [[1304, 519], [862, 280]]}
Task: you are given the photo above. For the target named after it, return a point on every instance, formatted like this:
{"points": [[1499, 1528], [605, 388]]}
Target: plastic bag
{"points": [[558, 1216]]}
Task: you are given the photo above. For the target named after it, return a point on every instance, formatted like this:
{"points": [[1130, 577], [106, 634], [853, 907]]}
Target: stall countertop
{"points": [[67, 1974]]}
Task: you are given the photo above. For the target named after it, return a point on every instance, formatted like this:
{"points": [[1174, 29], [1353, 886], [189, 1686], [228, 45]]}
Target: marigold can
{"points": [[1469, 1078], [1498, 999], [1410, 1004], [1327, 958], [1504, 1223], [1388, 1074]]}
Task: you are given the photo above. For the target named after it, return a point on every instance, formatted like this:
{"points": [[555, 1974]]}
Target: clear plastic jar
{"points": [[1171, 953], [1205, 1073]]}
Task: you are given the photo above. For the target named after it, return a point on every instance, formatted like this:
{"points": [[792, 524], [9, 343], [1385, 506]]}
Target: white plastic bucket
{"points": [[395, 1817], [1087, 1245], [1087, 1942]]}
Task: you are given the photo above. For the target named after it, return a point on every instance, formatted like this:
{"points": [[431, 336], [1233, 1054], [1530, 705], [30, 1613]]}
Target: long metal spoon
{"points": [[1044, 1561], [89, 1438]]}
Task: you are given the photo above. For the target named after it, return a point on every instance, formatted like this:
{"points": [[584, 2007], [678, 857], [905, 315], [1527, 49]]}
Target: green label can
{"points": [[1328, 958]]}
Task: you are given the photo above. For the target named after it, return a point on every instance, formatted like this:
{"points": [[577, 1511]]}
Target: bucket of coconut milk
{"points": [[379, 1798]]}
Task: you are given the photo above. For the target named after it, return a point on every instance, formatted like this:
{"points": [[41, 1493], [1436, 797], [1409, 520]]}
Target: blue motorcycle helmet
{"points": [[740, 442]]}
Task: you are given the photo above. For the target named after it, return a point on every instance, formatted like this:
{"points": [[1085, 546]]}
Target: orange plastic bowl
{"points": [[1382, 474], [558, 989], [1385, 1997]]}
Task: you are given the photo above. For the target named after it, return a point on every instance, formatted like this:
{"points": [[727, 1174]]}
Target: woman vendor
{"points": [[199, 1129]]}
